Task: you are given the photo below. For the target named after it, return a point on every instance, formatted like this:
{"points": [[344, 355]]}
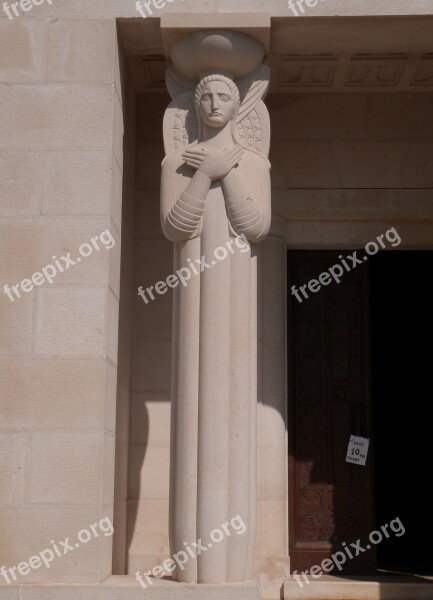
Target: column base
{"points": [[167, 590], [127, 588]]}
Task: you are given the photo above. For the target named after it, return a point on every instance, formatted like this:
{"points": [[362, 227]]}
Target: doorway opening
{"points": [[360, 362]]}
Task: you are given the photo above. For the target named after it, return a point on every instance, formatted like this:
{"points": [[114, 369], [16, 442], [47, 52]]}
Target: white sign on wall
{"points": [[357, 450]]}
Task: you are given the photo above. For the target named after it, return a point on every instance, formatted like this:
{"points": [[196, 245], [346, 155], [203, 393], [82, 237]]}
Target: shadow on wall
{"points": [[149, 418]]}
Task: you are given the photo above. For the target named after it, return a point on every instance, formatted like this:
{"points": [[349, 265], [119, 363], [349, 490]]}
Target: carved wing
{"points": [[254, 125], [180, 125], [255, 129], [253, 88]]}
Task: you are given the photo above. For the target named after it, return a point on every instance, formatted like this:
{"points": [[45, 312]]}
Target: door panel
{"points": [[330, 500]]}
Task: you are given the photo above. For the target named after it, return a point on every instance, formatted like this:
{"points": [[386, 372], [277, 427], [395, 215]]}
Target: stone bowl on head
{"points": [[231, 53]]}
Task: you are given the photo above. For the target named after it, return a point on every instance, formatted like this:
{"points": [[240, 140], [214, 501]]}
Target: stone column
{"points": [[215, 196]]}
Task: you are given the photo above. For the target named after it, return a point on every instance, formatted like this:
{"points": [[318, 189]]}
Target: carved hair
{"points": [[216, 77], [236, 96]]}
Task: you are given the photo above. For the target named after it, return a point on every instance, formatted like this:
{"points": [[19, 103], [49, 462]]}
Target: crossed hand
{"points": [[215, 165]]}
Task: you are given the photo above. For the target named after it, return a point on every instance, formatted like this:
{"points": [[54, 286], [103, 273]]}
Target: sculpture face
{"points": [[217, 104]]}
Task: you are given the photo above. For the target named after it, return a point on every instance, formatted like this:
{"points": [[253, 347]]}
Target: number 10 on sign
{"points": [[357, 450]]}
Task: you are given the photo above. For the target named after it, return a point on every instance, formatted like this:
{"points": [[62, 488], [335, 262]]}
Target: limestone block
{"points": [[236, 591], [50, 393], [9, 592], [16, 324], [21, 181], [28, 530], [57, 116], [71, 321], [55, 592], [27, 246], [77, 182], [81, 50], [13, 465], [65, 467], [22, 50]]}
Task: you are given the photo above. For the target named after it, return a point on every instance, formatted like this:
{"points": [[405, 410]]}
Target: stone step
{"points": [[361, 588]]}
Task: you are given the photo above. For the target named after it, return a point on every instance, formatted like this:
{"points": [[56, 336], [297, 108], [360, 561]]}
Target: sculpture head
{"points": [[217, 102]]}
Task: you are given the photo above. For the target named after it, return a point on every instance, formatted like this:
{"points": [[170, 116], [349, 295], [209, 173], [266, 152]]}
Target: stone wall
{"points": [[61, 164]]}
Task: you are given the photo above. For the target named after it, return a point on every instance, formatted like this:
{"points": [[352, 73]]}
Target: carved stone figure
{"points": [[215, 206]]}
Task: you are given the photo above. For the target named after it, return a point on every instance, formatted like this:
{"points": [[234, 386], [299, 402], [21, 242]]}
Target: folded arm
{"points": [[247, 197]]}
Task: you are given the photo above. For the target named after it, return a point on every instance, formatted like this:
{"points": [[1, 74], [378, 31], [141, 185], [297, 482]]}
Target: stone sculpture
{"points": [[215, 206]]}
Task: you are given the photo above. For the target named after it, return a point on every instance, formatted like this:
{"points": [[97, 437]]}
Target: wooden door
{"points": [[331, 500]]}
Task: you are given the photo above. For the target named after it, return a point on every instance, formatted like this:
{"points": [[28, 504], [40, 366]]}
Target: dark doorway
{"points": [[402, 376], [331, 500]]}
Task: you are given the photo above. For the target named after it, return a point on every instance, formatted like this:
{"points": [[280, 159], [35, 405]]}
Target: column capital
{"points": [[175, 25]]}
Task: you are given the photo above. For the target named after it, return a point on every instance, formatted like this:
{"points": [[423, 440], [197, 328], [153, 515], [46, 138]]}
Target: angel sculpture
{"points": [[215, 205]]}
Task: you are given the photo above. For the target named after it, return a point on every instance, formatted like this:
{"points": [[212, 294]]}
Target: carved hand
{"points": [[215, 165]]}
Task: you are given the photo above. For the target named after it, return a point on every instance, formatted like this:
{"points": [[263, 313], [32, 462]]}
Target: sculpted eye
{"points": [[225, 97], [206, 97]]}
